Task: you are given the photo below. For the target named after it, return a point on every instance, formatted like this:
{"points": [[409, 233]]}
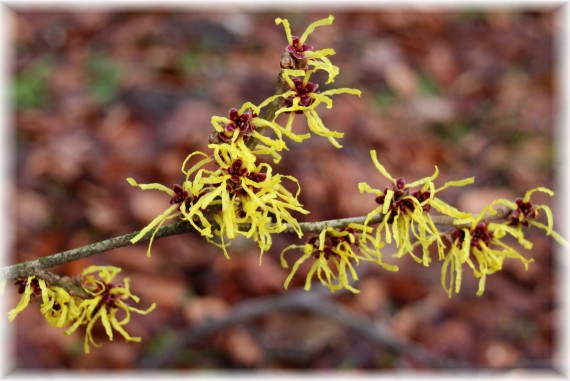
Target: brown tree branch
{"points": [[66, 283], [315, 302], [32, 267]]}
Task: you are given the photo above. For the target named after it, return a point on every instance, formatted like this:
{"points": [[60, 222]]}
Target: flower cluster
{"points": [[476, 241], [479, 242], [407, 212], [106, 300], [343, 249], [238, 195], [403, 216], [241, 196]]}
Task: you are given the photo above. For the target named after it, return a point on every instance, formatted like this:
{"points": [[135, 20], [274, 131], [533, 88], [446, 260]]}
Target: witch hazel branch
{"points": [[232, 190]]}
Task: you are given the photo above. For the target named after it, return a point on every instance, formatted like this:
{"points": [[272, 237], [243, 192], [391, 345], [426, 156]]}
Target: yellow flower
{"points": [[107, 300], [59, 308], [407, 212], [239, 197], [241, 125], [253, 201], [30, 288], [334, 251], [303, 98], [479, 246], [180, 199], [524, 213], [301, 51]]}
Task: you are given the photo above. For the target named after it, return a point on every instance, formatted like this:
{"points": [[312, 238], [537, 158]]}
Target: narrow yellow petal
{"points": [[153, 223], [105, 321], [311, 28], [457, 183], [24, 300], [527, 195], [295, 268], [287, 28], [343, 90], [219, 122], [196, 166], [424, 180], [380, 167], [153, 186]]}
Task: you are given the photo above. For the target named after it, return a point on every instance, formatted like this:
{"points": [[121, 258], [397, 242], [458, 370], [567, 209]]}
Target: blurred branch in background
{"points": [[315, 302]]}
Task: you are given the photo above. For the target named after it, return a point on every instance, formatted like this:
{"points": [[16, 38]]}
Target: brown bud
{"points": [[214, 138], [301, 64], [287, 61]]}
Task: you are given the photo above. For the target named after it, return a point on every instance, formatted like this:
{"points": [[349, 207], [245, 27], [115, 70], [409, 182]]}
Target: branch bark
{"points": [[32, 267]]}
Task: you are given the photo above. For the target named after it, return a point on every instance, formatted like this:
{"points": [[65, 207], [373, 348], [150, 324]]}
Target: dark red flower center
{"points": [[297, 49], [108, 300], [303, 92], [34, 284], [180, 196], [479, 234], [523, 212], [241, 122], [236, 171], [400, 201], [331, 243]]}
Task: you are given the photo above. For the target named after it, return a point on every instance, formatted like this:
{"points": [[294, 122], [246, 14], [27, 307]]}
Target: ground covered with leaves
{"points": [[102, 96]]}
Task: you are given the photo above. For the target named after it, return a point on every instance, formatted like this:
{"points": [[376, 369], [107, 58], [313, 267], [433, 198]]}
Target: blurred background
{"points": [[101, 96]]}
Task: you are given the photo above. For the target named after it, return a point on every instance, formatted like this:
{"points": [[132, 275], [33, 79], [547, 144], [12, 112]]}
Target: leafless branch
{"points": [[317, 302]]}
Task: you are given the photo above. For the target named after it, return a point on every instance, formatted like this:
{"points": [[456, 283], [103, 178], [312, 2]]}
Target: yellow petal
{"points": [[105, 321], [24, 300], [380, 167], [527, 195], [311, 28], [153, 186], [287, 28], [157, 220], [457, 183]]}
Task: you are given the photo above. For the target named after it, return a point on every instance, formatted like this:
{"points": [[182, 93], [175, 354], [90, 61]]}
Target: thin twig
{"points": [[315, 302], [31, 267], [280, 88]]}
